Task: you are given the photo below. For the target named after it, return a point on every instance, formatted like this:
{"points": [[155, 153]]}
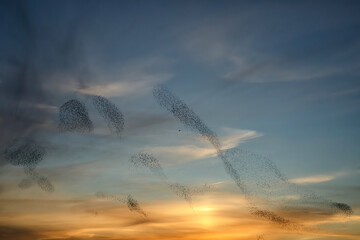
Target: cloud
{"points": [[322, 177], [186, 151], [218, 215], [234, 137], [18, 233], [352, 91], [277, 71], [245, 49], [196, 149], [313, 179], [133, 78], [145, 120], [130, 86], [28, 89]]}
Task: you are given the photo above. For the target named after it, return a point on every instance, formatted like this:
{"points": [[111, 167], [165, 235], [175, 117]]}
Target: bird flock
{"points": [[256, 177]]}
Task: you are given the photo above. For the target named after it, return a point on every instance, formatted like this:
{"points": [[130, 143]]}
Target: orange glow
{"points": [[211, 217]]}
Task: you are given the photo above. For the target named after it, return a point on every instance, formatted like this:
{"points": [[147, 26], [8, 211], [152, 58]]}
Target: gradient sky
{"points": [[278, 78]]}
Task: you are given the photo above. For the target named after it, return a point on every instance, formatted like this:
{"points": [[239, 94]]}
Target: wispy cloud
{"points": [[132, 84], [322, 177], [132, 79], [252, 53], [277, 71], [196, 149], [313, 179], [233, 137], [352, 91]]}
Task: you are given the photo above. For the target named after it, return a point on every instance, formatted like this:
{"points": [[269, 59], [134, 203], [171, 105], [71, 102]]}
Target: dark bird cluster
{"points": [[153, 164], [252, 173], [130, 202], [149, 161], [28, 155], [273, 217], [73, 116], [110, 113]]}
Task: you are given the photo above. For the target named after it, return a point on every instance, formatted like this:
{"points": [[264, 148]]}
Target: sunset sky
{"points": [[277, 82]]}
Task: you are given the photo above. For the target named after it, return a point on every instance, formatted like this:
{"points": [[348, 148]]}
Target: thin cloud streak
{"points": [[197, 150], [134, 78], [322, 178], [251, 53], [126, 88]]}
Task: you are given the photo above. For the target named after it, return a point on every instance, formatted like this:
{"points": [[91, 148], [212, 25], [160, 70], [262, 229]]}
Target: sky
{"points": [[179, 120]]}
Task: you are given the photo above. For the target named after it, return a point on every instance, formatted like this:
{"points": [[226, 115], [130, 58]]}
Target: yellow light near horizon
{"points": [[206, 220], [206, 209], [205, 216]]}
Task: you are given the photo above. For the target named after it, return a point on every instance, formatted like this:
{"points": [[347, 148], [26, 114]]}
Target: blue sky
{"points": [[279, 78]]}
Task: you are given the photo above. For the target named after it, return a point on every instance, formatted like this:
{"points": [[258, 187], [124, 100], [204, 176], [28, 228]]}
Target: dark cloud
{"points": [[96, 237], [18, 233], [32, 56], [20, 85]]}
